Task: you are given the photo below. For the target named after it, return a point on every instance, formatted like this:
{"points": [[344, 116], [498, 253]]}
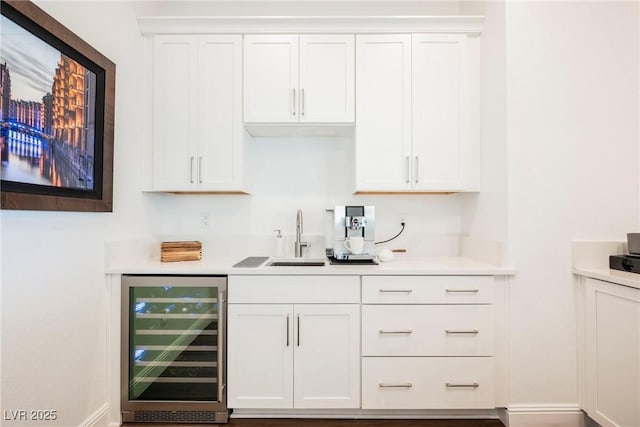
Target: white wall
{"points": [[53, 288], [484, 214], [572, 118]]}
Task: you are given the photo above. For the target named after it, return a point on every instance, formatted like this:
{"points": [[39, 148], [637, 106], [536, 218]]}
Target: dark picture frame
{"points": [[99, 197]]}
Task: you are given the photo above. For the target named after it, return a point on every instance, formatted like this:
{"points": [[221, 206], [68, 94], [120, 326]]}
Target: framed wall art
{"points": [[56, 115]]}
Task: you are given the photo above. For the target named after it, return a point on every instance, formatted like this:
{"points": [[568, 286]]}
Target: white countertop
{"points": [[614, 276], [591, 259], [399, 266]]}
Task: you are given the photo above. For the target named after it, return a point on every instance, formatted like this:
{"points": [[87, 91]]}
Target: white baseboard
{"points": [[99, 418], [366, 413], [544, 416]]}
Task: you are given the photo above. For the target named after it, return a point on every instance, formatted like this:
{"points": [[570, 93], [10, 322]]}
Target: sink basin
{"points": [[297, 262]]}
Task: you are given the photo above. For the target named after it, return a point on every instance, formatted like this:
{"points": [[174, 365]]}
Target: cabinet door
{"points": [[327, 351], [270, 78], [175, 74], [383, 112], [260, 356], [219, 155], [442, 106], [612, 353], [326, 78]]}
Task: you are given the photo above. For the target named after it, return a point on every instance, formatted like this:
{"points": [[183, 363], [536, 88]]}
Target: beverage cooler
{"points": [[173, 349]]}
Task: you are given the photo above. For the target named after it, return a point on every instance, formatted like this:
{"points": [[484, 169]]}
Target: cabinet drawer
{"points": [[428, 383], [427, 289], [427, 330], [286, 289]]}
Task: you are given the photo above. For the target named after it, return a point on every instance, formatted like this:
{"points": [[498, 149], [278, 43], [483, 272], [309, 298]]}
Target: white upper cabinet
{"points": [[417, 113], [444, 114], [196, 139], [383, 112], [174, 136], [298, 79]]}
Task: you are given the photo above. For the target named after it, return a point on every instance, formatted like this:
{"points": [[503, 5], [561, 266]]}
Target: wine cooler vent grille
{"points": [[175, 416]]}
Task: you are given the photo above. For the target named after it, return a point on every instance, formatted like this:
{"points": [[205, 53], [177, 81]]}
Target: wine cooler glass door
{"points": [[173, 343]]}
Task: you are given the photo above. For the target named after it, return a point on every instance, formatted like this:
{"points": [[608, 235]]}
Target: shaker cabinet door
{"points": [[383, 112], [326, 78], [270, 78], [327, 356], [260, 356], [443, 123], [220, 149], [175, 74]]}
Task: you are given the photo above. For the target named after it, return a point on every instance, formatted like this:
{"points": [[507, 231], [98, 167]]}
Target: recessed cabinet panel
{"points": [[438, 68], [327, 351], [326, 78], [260, 348], [174, 98], [383, 112], [219, 159], [270, 78]]}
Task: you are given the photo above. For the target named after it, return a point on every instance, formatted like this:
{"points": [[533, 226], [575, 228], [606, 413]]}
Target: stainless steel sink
{"points": [[297, 262]]}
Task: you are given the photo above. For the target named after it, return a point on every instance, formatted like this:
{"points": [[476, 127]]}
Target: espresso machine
{"points": [[353, 221]]}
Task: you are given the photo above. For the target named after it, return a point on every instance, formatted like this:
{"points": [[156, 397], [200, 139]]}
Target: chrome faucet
{"points": [[299, 244]]}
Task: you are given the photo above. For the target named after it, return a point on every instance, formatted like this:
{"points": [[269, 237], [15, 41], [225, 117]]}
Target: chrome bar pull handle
{"points": [[294, 101], [200, 169], [460, 291], [416, 171], [472, 385], [397, 291], [191, 170], [474, 332], [407, 331], [406, 169], [298, 315], [287, 329], [302, 101], [395, 385]]}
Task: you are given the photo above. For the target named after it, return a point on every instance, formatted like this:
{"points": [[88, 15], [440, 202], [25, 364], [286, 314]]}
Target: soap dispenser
{"points": [[279, 244]]}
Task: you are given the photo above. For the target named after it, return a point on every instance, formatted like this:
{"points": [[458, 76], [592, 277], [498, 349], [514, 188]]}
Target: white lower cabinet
{"points": [[427, 383], [299, 355], [612, 353], [428, 342]]}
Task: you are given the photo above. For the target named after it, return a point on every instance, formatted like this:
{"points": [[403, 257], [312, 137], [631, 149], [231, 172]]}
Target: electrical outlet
{"points": [[205, 220]]}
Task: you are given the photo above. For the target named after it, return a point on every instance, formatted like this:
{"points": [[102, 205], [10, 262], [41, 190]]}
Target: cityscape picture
{"points": [[47, 113]]}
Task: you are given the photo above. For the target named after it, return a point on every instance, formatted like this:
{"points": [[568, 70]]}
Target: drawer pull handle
{"points": [[460, 291], [403, 291], [392, 385], [449, 331], [474, 385], [407, 331]]}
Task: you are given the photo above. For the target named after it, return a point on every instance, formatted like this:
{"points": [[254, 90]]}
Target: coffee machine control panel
{"points": [[355, 222]]}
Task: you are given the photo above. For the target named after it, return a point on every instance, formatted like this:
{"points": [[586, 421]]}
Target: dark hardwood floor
{"points": [[302, 422]]}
